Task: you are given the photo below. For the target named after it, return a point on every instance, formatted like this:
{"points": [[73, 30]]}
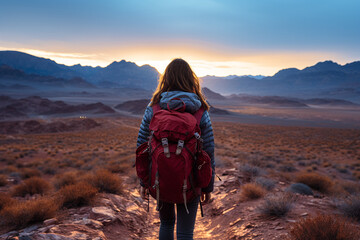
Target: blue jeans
{"points": [[185, 222]]}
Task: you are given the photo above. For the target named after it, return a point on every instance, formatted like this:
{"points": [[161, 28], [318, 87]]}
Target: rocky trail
{"points": [[125, 216]]}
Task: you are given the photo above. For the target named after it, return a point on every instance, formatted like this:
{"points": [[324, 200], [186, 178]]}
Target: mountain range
{"points": [[324, 79], [20, 71], [117, 74]]}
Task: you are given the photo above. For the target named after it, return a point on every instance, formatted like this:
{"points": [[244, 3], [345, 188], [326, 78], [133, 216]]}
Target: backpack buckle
{"points": [[179, 147], [197, 135], [165, 144]]}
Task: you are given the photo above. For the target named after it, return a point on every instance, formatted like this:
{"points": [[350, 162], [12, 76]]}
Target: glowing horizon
{"points": [[268, 64]]}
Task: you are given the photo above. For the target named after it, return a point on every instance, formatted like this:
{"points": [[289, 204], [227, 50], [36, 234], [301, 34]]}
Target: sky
{"points": [[217, 37]]}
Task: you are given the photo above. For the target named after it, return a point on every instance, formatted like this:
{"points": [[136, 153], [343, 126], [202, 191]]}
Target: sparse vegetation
{"points": [[276, 205], [252, 191], [351, 207], [29, 172], [264, 155], [5, 200], [325, 227], [76, 195], [250, 171], [105, 181], [350, 187], [23, 213], [266, 183], [31, 186], [3, 180], [315, 181], [68, 178]]}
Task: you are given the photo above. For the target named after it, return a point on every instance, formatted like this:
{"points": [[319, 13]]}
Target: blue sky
{"points": [[218, 37]]}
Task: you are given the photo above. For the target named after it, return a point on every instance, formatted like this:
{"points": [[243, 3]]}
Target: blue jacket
{"points": [[193, 104]]}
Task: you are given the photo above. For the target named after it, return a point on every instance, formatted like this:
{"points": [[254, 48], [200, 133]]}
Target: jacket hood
{"points": [[191, 100]]}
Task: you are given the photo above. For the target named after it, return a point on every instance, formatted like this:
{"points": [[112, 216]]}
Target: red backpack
{"points": [[172, 164]]}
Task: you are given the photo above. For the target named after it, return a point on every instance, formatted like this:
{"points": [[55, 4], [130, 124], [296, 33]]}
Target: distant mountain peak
{"points": [[327, 65], [121, 63]]}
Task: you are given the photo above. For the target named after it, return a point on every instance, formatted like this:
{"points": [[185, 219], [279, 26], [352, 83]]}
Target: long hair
{"points": [[179, 76]]}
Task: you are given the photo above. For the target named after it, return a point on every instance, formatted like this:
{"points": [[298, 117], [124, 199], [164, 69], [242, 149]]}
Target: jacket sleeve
{"points": [[208, 145], [144, 133]]}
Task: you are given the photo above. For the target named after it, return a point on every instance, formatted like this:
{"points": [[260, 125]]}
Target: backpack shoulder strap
{"points": [[156, 108], [198, 114]]}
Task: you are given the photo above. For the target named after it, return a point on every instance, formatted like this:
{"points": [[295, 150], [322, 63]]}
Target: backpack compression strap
{"points": [[156, 108], [198, 115]]}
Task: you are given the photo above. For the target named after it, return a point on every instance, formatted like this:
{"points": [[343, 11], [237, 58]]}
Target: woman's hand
{"points": [[144, 193], [205, 197]]}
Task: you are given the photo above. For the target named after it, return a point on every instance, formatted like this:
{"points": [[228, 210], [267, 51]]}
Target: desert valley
{"points": [[288, 162]]}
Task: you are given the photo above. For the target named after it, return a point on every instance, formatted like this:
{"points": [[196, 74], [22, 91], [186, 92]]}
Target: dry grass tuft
{"points": [[324, 227], [250, 171], [76, 195], [350, 187], [6, 200], [22, 214], [276, 206], [34, 185], [29, 172], [3, 180], [65, 179], [105, 181], [351, 207], [315, 181], [251, 191]]}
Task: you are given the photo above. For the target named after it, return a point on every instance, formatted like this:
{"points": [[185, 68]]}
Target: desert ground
{"points": [[81, 184]]}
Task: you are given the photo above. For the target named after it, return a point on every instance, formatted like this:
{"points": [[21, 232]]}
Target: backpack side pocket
{"points": [[203, 170], [142, 163]]}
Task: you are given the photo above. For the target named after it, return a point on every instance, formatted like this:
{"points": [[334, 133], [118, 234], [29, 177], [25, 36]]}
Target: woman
{"points": [[179, 81]]}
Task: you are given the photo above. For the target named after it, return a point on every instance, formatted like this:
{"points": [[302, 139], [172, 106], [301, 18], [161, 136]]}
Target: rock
{"points": [[71, 232], [250, 225], [52, 236], [300, 188], [235, 222], [9, 235], [105, 211], [50, 221], [30, 229], [304, 214], [25, 237], [93, 223], [233, 191]]}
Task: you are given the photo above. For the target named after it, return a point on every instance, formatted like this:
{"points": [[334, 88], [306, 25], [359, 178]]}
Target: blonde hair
{"points": [[179, 76]]}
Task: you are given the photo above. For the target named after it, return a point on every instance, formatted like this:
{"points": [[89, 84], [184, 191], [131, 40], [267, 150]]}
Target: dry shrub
{"points": [[105, 181], [266, 183], [351, 207], [315, 181], [65, 179], [250, 171], [3, 180], [276, 205], [34, 185], [29, 172], [24, 213], [76, 195], [5, 200], [350, 187], [325, 227], [251, 191]]}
